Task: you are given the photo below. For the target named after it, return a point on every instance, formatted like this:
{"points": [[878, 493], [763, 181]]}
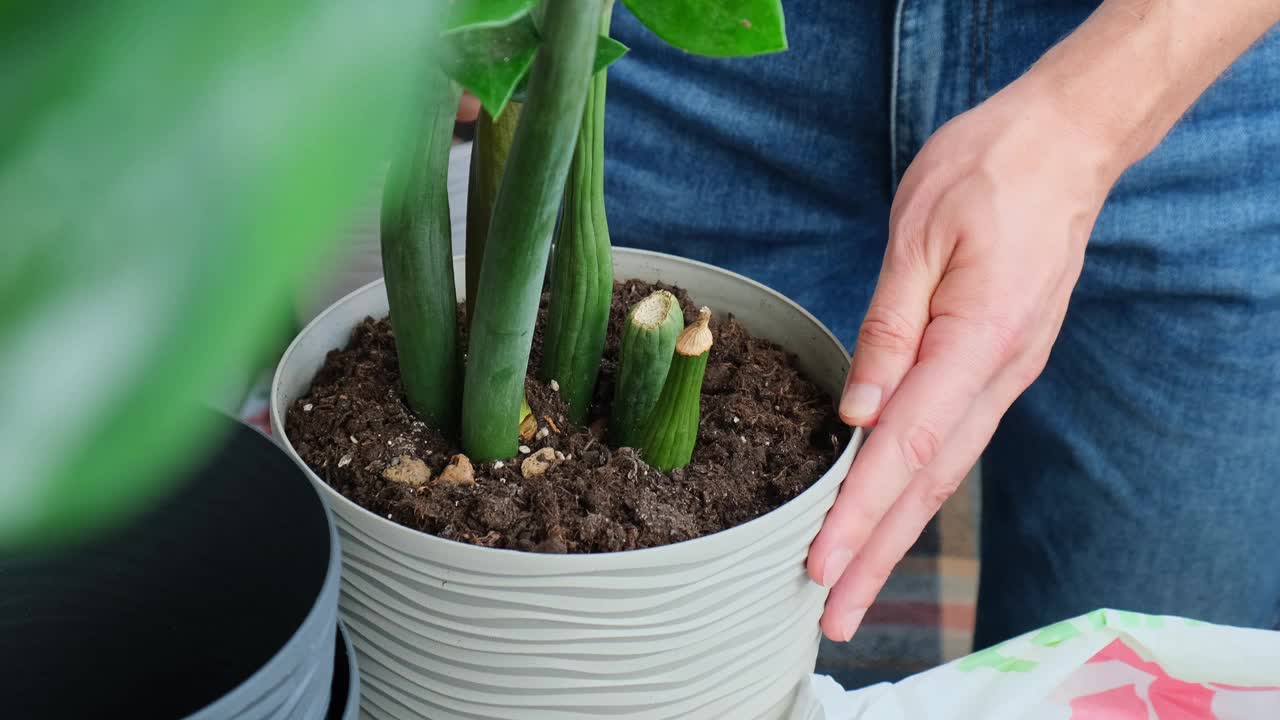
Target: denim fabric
{"points": [[775, 167], [1142, 470]]}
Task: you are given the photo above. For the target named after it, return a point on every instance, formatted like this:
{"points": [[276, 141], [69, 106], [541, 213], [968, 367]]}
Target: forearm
{"points": [[1133, 68]]}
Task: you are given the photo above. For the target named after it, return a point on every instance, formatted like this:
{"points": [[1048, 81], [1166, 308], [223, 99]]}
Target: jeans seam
{"points": [[973, 53], [894, 92], [986, 49]]}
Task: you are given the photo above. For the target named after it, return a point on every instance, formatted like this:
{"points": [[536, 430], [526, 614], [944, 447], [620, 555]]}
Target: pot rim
{"points": [[566, 562], [350, 703], [298, 650]]}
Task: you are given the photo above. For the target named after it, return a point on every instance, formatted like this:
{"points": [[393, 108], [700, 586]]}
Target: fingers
{"points": [[867, 573], [959, 358], [890, 335]]}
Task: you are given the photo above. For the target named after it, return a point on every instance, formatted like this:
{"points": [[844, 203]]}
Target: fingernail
{"points": [[851, 622], [834, 567], [860, 402]]}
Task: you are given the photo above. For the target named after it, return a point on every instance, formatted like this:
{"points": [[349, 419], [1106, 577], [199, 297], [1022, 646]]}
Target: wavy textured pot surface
{"points": [[723, 626], [220, 601]]}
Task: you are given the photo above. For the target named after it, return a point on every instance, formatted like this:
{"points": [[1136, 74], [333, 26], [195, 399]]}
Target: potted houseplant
{"points": [[204, 606], [706, 611]]}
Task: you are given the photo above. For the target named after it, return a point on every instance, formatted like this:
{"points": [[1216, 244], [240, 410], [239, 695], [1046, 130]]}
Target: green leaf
{"points": [[168, 174], [608, 51], [476, 14], [491, 62], [726, 28]]}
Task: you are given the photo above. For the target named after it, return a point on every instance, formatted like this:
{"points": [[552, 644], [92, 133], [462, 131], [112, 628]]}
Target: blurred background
{"points": [[170, 175]]}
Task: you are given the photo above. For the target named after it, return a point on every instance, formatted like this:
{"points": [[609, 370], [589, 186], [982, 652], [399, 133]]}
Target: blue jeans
{"points": [[1142, 470]]}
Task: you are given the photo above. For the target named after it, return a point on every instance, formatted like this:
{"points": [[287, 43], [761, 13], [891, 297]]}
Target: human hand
{"points": [[468, 108], [986, 241]]}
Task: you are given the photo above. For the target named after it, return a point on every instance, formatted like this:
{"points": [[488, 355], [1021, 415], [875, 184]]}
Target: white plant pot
{"points": [[722, 626]]}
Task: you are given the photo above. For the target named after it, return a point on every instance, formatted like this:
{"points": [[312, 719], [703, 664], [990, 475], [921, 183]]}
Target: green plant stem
{"points": [[671, 429], [489, 152], [582, 269], [417, 263], [524, 216], [648, 341]]}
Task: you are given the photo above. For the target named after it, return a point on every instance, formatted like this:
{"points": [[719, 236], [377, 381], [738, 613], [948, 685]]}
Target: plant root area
{"points": [[766, 434]]}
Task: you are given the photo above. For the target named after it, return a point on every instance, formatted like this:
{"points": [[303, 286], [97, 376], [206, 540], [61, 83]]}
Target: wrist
{"points": [[1116, 125], [1078, 149], [1126, 75]]}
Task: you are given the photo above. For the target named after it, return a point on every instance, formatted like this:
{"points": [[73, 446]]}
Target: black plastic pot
{"points": [[218, 602]]}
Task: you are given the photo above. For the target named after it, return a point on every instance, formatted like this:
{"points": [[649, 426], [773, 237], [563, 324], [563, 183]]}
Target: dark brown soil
{"points": [[766, 435]]}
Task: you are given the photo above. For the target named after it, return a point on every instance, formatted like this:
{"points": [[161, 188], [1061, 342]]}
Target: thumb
{"points": [[889, 338]]}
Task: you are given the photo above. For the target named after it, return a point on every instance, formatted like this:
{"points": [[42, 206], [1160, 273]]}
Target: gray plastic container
{"points": [[723, 626], [344, 700], [220, 601]]}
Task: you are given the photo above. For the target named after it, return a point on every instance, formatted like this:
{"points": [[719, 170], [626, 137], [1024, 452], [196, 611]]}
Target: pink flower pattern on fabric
{"points": [[1166, 698], [1120, 703]]}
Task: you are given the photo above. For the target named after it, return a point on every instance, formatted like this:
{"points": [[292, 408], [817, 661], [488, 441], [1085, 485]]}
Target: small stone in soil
{"points": [[555, 386], [525, 450], [408, 470], [458, 472], [538, 463], [307, 407], [344, 461]]}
